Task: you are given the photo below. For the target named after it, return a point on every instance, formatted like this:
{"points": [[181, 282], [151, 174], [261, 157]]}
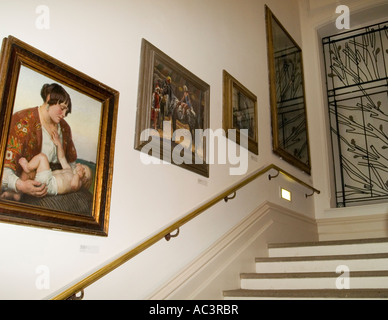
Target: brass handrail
{"points": [[81, 285]]}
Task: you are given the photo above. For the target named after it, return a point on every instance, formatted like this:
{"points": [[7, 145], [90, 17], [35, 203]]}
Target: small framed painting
{"points": [[240, 112]]}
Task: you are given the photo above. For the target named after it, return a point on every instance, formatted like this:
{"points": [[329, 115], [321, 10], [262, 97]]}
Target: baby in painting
{"points": [[61, 181]]}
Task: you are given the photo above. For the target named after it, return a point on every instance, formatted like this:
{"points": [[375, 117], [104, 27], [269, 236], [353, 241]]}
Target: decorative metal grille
{"points": [[357, 88]]}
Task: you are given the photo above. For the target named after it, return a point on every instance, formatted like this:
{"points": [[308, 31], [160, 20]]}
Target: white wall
{"points": [[102, 39]]}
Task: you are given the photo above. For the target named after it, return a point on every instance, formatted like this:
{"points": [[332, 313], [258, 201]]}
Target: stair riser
{"points": [[315, 283], [328, 250], [321, 266], [296, 298]]}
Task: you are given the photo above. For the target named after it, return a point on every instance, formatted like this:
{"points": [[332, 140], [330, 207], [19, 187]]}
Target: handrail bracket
{"points": [[272, 177], [75, 297], [230, 197], [169, 235], [311, 194]]}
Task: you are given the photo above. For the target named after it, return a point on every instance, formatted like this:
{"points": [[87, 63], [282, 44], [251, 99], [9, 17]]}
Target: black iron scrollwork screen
{"points": [[357, 88]]}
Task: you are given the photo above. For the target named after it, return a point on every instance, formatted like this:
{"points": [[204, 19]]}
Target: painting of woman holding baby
{"points": [[30, 136]]}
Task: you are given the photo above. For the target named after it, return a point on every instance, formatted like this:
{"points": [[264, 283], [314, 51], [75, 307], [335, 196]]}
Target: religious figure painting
{"points": [[172, 111]]}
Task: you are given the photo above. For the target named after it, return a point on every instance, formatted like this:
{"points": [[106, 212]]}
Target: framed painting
{"points": [[287, 96], [172, 112], [240, 112], [57, 143]]}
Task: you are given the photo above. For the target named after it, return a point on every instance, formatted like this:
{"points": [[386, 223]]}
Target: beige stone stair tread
{"points": [[328, 257], [327, 243], [282, 275], [309, 293]]}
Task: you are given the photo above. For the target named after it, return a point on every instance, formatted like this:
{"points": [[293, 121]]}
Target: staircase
{"points": [[347, 269]]}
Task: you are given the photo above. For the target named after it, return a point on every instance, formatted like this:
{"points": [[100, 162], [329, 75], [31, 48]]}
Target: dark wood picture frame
{"points": [[287, 96], [239, 111], [60, 212], [163, 83]]}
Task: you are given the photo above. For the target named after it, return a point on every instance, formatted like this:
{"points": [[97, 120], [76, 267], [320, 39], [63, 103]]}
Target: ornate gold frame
{"points": [[287, 96], [155, 68], [230, 83], [14, 55]]}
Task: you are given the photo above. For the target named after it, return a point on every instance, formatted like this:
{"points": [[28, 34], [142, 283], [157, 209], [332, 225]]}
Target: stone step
{"points": [[355, 262], [315, 280], [331, 294], [346, 269], [378, 245]]}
